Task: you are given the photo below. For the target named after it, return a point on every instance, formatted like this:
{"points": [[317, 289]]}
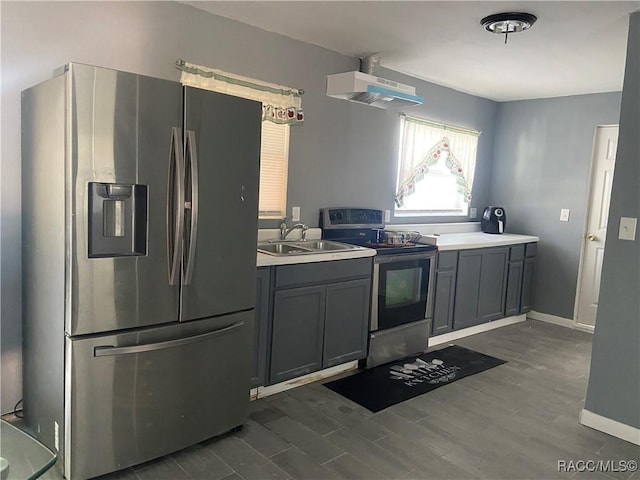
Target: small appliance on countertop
{"points": [[494, 220]]}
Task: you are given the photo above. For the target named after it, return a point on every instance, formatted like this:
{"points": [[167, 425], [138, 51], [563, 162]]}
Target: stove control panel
{"points": [[351, 218]]}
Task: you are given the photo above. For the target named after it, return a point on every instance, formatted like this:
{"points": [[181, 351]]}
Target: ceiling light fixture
{"points": [[511, 22]]}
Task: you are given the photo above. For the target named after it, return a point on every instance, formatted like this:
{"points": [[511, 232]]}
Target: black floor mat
{"points": [[394, 382]]}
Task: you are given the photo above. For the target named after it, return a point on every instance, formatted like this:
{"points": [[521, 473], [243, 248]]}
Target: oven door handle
{"points": [[403, 257]]}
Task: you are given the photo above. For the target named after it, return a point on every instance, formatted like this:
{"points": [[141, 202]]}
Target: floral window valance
{"points": [[408, 185], [280, 104], [423, 144]]}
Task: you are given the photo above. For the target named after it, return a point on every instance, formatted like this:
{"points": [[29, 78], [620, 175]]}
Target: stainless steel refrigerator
{"points": [[139, 231]]}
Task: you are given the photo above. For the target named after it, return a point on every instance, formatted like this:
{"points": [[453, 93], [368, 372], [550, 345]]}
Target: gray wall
{"points": [[542, 158], [344, 154], [614, 380]]}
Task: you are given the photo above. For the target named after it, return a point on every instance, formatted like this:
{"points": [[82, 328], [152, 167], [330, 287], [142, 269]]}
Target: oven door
{"points": [[404, 289]]}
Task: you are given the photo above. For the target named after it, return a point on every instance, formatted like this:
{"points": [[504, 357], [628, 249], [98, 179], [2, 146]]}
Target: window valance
{"points": [[280, 104]]}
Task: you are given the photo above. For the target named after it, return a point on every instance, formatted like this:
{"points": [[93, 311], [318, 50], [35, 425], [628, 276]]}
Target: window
{"points": [[274, 160], [436, 165]]}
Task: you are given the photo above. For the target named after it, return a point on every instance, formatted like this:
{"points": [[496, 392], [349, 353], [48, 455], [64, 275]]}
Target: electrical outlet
{"points": [[564, 215], [295, 214], [387, 215], [473, 213], [627, 229]]}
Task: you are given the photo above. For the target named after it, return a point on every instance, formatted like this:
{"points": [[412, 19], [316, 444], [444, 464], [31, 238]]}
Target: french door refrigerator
{"points": [[139, 265]]}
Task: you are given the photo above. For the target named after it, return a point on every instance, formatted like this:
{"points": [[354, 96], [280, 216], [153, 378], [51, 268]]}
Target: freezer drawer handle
{"points": [[150, 347]]}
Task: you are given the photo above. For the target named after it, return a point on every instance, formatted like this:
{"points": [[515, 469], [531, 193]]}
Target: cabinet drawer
{"points": [[531, 249], [322, 272], [447, 260], [517, 253]]}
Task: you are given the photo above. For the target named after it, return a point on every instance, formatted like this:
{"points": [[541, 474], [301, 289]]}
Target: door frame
{"points": [[585, 221]]}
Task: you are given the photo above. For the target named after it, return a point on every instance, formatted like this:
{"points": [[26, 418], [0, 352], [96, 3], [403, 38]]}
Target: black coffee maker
{"points": [[494, 220]]}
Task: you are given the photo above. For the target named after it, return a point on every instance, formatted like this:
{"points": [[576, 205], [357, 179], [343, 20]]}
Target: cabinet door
{"points": [[514, 288], [260, 344], [298, 323], [527, 280], [466, 312], [492, 283], [444, 301], [346, 324]]}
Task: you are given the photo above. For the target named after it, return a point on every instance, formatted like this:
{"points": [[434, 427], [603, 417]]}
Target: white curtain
{"points": [[422, 145], [280, 104]]}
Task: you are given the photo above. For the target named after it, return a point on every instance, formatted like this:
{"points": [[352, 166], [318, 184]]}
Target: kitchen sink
{"points": [[327, 246], [281, 249], [285, 248]]}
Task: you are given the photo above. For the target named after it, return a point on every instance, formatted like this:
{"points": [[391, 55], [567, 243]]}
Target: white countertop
{"points": [[445, 241], [468, 240], [265, 260]]}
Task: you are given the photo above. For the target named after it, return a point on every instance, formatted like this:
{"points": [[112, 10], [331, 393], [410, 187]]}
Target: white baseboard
{"points": [[611, 427], [561, 321], [584, 328], [262, 392], [484, 327]]}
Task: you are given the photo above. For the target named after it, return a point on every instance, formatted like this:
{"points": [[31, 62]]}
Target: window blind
{"points": [[274, 159]]}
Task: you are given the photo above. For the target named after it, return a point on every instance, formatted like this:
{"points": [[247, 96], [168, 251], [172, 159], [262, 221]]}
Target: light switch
{"points": [[387, 215], [627, 228], [295, 214], [473, 213], [564, 215]]}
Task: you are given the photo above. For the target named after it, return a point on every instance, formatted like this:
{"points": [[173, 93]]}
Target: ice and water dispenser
{"points": [[117, 220]]}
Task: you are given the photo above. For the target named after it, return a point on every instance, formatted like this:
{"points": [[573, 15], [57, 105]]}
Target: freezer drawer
{"points": [[136, 396]]}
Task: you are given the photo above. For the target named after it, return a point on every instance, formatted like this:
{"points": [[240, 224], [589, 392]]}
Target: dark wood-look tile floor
{"points": [[516, 421]]}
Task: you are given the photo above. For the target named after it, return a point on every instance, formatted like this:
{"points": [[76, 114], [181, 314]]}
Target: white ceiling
{"points": [[574, 48]]}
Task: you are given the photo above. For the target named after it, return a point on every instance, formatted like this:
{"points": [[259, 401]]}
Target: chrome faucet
{"points": [[283, 228], [284, 231]]}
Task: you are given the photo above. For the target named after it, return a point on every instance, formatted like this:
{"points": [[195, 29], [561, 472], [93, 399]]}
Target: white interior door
{"points": [[604, 157]]}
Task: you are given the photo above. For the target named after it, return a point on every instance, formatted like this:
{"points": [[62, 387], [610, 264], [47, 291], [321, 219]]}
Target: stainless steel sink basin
{"points": [[284, 248], [281, 249], [327, 246]]}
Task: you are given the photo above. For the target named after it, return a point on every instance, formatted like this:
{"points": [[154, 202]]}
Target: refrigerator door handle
{"points": [[175, 206], [192, 153], [106, 351]]}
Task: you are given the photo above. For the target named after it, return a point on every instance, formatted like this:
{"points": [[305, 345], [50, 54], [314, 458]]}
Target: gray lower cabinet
{"points": [[297, 332], [480, 286], [445, 292], [466, 304], [320, 316], [522, 259], [261, 327], [527, 281], [346, 324], [493, 277], [514, 289]]}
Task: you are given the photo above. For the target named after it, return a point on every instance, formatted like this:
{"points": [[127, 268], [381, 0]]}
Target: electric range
{"points": [[402, 283]]}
